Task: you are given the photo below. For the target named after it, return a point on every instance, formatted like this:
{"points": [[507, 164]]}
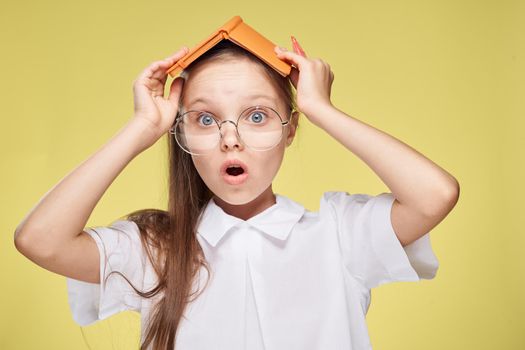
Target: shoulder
{"points": [[114, 232], [341, 201], [342, 197]]}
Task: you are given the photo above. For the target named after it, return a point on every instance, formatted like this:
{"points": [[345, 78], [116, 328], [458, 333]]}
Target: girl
{"points": [[231, 264]]}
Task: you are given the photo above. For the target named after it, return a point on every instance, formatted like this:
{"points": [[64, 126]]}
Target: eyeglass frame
{"points": [[236, 123]]}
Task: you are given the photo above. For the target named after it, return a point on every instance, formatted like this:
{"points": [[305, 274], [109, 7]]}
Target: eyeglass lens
{"points": [[259, 128]]}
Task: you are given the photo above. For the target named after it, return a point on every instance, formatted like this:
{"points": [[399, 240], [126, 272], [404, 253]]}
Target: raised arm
{"points": [[425, 193], [51, 234]]}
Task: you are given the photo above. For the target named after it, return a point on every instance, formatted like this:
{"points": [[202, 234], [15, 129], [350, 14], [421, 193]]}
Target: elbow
{"points": [[451, 193], [442, 200], [445, 200], [30, 247], [21, 242]]}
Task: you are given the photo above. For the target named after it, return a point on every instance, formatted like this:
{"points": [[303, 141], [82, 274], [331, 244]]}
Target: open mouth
{"points": [[234, 170]]}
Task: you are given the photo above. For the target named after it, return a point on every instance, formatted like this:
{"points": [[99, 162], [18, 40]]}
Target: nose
{"points": [[229, 137]]}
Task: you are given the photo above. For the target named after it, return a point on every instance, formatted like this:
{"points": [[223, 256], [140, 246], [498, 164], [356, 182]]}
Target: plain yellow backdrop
{"points": [[444, 77]]}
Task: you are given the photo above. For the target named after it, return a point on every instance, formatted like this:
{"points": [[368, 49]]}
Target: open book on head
{"points": [[241, 34]]}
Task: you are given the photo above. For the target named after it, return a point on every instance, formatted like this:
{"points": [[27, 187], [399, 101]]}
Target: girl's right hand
{"points": [[154, 111]]}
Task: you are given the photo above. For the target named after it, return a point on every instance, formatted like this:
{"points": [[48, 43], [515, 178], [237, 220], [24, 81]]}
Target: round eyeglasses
{"points": [[259, 128]]}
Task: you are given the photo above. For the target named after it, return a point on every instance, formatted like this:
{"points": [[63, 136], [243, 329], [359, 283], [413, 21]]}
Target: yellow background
{"points": [[442, 76]]}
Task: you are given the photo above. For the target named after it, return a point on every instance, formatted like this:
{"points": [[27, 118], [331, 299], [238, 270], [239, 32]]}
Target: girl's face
{"points": [[226, 89]]}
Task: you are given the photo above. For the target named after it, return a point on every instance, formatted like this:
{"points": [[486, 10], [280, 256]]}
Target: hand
{"points": [[151, 108], [312, 78]]}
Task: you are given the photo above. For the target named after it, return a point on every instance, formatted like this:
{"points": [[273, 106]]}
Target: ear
{"points": [[292, 127]]}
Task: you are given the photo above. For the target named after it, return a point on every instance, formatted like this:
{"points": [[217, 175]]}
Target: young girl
{"points": [[231, 264]]}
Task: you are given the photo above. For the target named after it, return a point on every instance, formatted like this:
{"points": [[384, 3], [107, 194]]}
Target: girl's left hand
{"points": [[312, 78]]}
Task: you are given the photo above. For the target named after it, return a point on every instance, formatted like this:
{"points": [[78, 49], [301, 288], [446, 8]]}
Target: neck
{"points": [[250, 209]]}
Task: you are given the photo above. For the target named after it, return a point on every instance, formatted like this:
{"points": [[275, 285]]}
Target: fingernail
{"points": [[297, 47]]}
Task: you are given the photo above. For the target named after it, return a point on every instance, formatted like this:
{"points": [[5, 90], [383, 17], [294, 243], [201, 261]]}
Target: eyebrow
{"points": [[247, 97]]}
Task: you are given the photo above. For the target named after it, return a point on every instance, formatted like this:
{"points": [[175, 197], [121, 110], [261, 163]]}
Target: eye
{"points": [[257, 117], [205, 119]]}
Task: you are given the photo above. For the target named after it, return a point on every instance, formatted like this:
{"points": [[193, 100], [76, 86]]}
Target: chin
{"points": [[237, 197]]}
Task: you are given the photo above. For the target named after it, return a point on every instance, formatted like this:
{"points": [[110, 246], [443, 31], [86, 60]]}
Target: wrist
{"points": [[142, 133], [319, 114]]}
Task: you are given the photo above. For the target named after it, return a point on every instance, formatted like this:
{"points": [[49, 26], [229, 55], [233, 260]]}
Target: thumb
{"points": [[175, 90], [294, 76]]}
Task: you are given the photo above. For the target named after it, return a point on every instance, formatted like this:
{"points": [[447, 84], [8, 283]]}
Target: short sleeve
{"points": [[370, 248], [120, 250]]}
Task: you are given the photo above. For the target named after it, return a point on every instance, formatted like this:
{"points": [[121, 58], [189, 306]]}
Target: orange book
{"points": [[241, 34]]}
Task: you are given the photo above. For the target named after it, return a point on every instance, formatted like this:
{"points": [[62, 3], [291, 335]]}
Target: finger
{"points": [[157, 69], [175, 90], [291, 57], [175, 56], [153, 71], [177, 53], [297, 47], [294, 76]]}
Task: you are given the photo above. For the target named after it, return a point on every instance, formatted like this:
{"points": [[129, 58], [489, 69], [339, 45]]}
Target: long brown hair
{"points": [[169, 237]]}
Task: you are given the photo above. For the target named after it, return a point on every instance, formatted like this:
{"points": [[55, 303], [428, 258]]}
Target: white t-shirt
{"points": [[287, 278]]}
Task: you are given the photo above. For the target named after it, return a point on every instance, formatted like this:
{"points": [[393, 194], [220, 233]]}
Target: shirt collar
{"points": [[276, 221]]}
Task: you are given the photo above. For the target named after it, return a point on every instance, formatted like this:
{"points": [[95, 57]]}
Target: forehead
{"points": [[235, 80]]}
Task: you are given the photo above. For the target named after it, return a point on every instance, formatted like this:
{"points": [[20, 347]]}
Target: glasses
{"points": [[259, 128]]}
